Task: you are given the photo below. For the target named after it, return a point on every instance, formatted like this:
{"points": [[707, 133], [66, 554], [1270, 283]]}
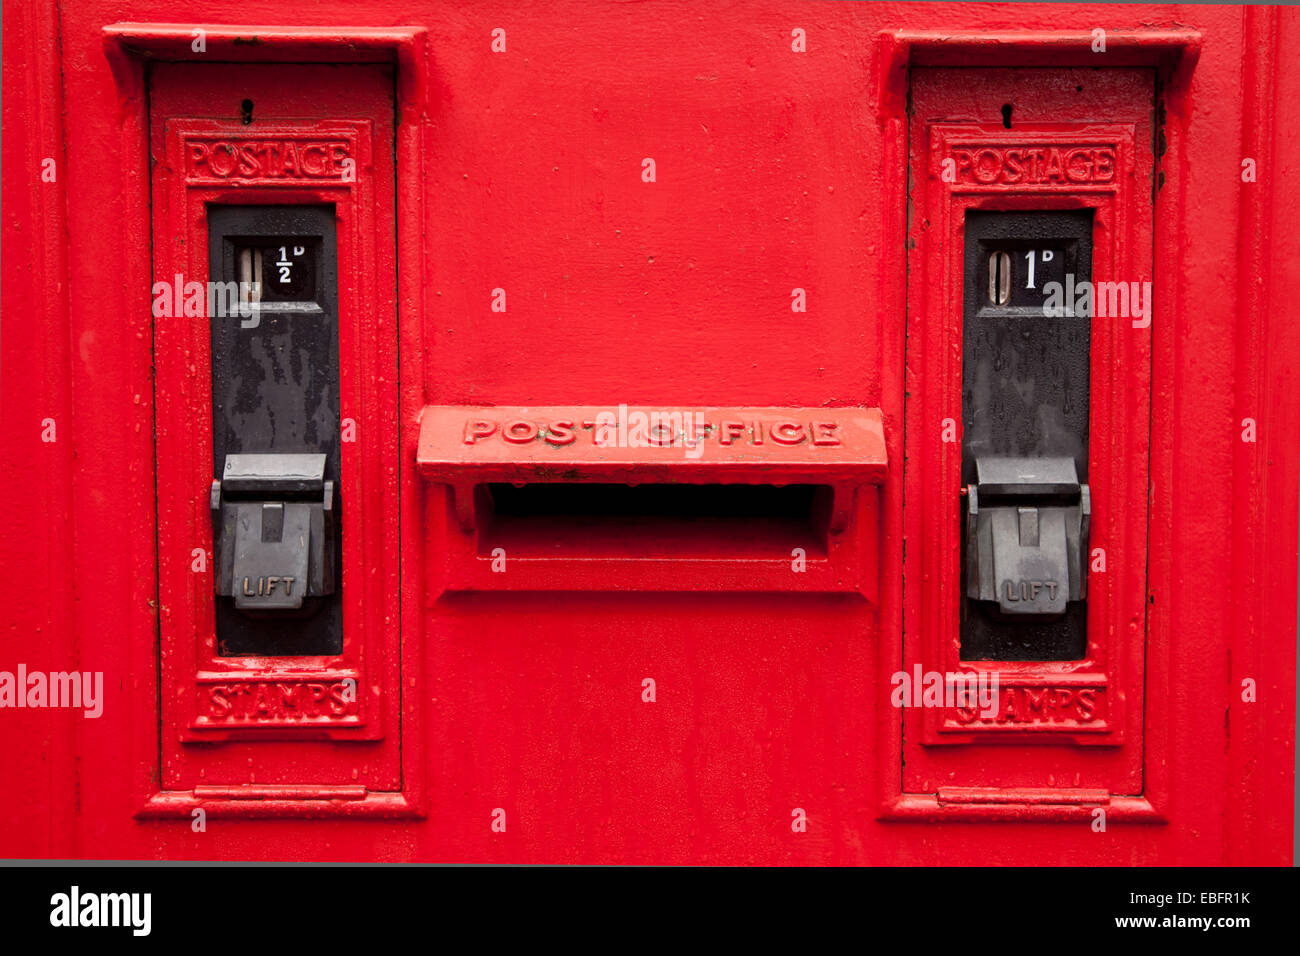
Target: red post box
{"points": [[519, 435]]}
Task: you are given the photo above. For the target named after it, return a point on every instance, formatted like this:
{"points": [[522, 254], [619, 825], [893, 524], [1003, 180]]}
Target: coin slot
{"points": [[999, 278]]}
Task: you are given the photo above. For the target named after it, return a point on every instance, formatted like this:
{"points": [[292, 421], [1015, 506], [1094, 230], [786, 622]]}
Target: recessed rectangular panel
{"points": [[267, 703], [1039, 507], [275, 390], [1025, 397]]}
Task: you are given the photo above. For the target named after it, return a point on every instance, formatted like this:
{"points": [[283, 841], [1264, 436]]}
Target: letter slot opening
{"points": [[573, 519]]}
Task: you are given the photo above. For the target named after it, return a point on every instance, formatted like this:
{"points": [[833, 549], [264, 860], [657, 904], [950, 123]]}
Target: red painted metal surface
{"points": [[293, 721], [840, 452], [522, 170], [1085, 143]]}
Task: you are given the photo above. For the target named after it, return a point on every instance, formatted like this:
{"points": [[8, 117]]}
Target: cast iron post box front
{"points": [[273, 212], [552, 433], [1027, 551]]}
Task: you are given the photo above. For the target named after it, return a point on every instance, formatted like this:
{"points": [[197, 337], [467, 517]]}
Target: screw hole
{"points": [[1078, 89], [1006, 116], [246, 111]]}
